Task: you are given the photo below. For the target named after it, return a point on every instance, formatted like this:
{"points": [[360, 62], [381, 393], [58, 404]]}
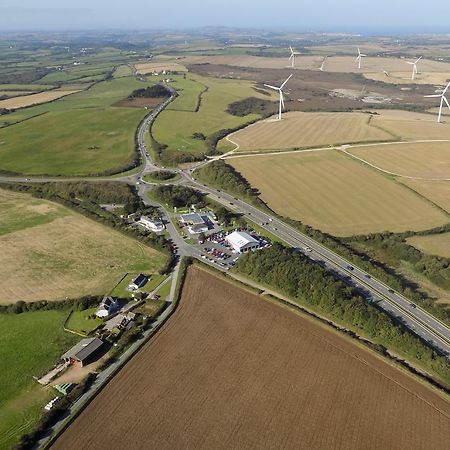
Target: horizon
{"points": [[137, 15]]}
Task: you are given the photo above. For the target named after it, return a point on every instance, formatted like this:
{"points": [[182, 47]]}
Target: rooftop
{"points": [[83, 349], [241, 238]]}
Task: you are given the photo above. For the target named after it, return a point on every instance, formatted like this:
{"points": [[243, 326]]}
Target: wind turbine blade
{"points": [[362, 54], [287, 79], [292, 50], [409, 62], [282, 98], [433, 96], [446, 89], [359, 51], [446, 101], [272, 87], [418, 59]]}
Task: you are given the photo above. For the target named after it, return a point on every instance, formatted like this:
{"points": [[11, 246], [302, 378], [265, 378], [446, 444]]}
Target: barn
{"points": [[85, 352]]}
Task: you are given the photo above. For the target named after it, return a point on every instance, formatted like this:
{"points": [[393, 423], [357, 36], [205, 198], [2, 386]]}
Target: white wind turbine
{"points": [[292, 57], [359, 58], [280, 90], [443, 99], [414, 64]]}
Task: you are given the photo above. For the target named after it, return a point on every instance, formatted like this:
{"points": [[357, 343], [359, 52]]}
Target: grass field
{"points": [[84, 133], [80, 322], [33, 99], [76, 142], [211, 116], [214, 378], [49, 252], [436, 191], [39, 339], [123, 71], [422, 160], [299, 129], [333, 193]]}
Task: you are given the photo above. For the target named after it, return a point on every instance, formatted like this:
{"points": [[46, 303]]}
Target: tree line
{"points": [[290, 272]]}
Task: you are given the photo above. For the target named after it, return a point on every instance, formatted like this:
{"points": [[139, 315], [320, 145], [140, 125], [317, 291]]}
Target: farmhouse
{"points": [[108, 306], [151, 224], [242, 242], [138, 282], [84, 352]]}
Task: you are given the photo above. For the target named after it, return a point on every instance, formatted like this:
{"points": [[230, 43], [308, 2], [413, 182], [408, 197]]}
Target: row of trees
{"points": [[294, 275], [226, 177], [78, 304]]}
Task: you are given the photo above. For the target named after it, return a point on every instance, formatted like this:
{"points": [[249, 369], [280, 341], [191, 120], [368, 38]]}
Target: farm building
{"points": [[242, 242], [151, 224], [107, 307], [84, 352], [138, 282]]}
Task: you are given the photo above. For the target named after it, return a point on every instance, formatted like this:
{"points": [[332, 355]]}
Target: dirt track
{"points": [[232, 371]]}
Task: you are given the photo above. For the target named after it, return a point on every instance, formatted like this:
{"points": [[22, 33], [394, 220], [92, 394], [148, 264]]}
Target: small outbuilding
{"points": [[85, 352], [242, 242]]}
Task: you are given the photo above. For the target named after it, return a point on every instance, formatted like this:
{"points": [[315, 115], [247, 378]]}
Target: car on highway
{"points": [[413, 305], [308, 249], [349, 267]]}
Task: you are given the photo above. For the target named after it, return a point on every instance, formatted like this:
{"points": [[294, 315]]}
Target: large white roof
{"points": [[240, 239]]}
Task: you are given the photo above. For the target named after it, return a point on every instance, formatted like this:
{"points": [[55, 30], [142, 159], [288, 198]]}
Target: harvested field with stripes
{"points": [[301, 129], [330, 191], [214, 378], [429, 160], [434, 244], [436, 191]]}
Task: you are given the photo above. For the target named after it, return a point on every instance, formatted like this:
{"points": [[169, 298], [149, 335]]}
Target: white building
{"points": [[242, 242], [151, 224], [108, 306]]}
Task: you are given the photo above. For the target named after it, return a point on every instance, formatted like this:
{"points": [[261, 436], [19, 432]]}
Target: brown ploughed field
{"points": [[232, 371]]}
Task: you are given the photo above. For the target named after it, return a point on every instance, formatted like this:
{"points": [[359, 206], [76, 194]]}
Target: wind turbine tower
{"points": [[359, 58], [280, 91], [443, 99], [292, 57], [414, 70]]}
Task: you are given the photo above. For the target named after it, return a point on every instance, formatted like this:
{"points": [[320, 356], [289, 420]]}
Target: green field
{"points": [[30, 343], [122, 71], [121, 291], [80, 322], [210, 118], [81, 134]]}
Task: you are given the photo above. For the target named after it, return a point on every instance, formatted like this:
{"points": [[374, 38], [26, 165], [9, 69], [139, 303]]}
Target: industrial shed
{"points": [[242, 242]]}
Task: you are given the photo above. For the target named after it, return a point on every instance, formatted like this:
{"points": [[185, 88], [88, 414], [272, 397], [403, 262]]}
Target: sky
{"points": [[299, 15]]}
